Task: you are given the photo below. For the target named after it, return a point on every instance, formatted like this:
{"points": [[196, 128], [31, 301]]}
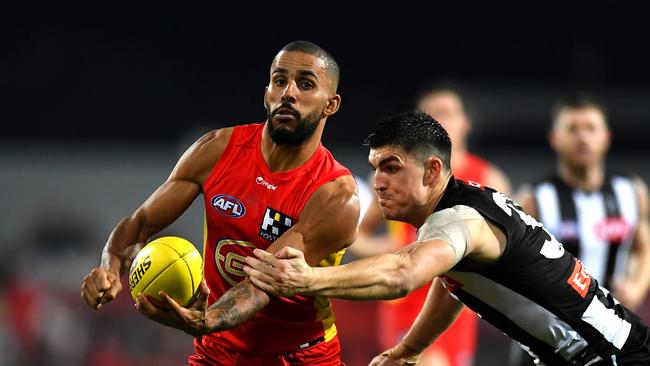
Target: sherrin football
{"points": [[170, 264]]}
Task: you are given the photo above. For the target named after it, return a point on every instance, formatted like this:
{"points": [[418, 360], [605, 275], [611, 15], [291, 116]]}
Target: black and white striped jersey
{"points": [[597, 227], [537, 293]]}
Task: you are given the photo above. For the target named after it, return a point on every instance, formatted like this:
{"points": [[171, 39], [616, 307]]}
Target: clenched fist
{"points": [[99, 287]]}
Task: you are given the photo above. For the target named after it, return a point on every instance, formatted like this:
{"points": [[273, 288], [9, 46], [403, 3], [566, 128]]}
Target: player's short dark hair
{"points": [[416, 132], [310, 48], [576, 101]]}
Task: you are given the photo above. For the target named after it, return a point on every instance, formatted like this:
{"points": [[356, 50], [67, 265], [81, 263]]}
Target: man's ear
{"points": [[332, 106], [433, 168]]}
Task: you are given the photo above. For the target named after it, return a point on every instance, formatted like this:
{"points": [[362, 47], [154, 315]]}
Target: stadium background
{"points": [[100, 100]]}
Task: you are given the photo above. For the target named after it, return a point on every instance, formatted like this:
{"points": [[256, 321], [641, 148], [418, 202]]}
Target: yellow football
{"points": [[170, 264]]}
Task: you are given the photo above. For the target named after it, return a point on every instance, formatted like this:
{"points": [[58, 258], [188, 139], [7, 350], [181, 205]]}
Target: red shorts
{"points": [[324, 353]]}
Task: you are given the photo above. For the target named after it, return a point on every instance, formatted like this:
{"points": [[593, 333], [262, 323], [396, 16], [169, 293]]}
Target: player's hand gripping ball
{"points": [[170, 264]]}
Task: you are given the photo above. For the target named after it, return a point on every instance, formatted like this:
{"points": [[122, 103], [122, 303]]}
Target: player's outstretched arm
{"points": [[386, 276], [439, 311], [327, 224], [164, 206], [369, 242]]}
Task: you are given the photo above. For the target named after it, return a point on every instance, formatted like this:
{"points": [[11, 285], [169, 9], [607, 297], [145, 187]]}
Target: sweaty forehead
{"points": [[387, 153], [294, 60]]}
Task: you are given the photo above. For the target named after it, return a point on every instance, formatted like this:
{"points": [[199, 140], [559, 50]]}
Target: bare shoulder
{"points": [[334, 205], [199, 159], [338, 196], [343, 187]]}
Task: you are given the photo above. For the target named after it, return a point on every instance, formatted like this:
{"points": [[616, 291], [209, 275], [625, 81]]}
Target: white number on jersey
{"points": [[552, 248]]}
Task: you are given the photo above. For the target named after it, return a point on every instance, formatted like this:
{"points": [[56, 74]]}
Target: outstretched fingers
{"points": [[263, 286], [146, 307], [178, 309], [288, 253], [260, 279], [262, 266], [204, 293]]}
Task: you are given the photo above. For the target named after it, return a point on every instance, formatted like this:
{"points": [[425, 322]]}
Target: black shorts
{"points": [[636, 350]]}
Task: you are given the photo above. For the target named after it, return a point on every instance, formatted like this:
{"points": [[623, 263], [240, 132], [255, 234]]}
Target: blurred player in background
{"points": [[457, 346], [600, 216], [265, 185]]}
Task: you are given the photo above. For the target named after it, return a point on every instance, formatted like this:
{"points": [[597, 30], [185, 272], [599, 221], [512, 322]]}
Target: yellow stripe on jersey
{"points": [[322, 304], [325, 314], [205, 236], [333, 259], [396, 231]]}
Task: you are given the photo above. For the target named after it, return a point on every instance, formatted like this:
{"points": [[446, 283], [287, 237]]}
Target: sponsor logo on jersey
{"points": [[267, 185], [230, 257], [228, 206], [580, 279], [274, 224], [613, 229]]}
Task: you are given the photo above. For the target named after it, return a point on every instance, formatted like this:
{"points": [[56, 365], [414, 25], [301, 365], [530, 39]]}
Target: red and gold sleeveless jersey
{"points": [[399, 314], [247, 206]]}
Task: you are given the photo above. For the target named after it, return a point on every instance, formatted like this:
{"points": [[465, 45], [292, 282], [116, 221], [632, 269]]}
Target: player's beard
{"points": [[305, 127]]}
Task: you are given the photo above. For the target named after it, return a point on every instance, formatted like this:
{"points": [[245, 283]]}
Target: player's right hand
{"points": [[99, 287], [285, 273]]}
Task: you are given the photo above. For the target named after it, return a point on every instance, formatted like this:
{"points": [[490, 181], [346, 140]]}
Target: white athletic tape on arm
{"points": [[449, 226]]}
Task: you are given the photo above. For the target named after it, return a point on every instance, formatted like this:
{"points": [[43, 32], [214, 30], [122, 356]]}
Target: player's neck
{"points": [[281, 158], [583, 178]]}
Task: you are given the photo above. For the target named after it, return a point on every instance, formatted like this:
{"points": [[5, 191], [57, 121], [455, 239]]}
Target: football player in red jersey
{"points": [[265, 185]]}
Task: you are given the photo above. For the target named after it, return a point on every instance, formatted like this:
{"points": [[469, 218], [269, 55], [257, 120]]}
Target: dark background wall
{"points": [[106, 71]]}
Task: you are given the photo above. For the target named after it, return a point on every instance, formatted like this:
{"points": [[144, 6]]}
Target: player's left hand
{"points": [[628, 293], [284, 273], [396, 356], [191, 319]]}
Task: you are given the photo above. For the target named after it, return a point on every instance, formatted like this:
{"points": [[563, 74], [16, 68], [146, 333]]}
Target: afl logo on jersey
{"points": [[228, 206]]}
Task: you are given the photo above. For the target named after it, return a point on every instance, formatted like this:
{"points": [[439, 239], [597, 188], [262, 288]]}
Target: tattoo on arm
{"points": [[237, 305]]}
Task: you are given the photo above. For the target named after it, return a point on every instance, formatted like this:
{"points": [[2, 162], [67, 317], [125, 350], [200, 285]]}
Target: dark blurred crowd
{"points": [[44, 322]]}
